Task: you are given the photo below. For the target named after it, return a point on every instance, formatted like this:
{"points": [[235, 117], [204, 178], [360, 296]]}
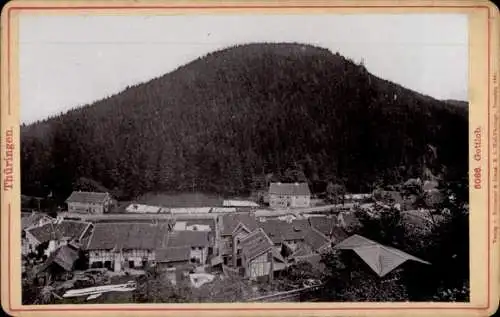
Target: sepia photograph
{"points": [[245, 158]]}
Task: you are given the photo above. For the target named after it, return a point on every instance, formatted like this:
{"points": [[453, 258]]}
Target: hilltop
{"points": [[223, 121]]}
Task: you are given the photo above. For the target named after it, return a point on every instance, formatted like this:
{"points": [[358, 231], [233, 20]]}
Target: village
{"points": [[89, 251]]}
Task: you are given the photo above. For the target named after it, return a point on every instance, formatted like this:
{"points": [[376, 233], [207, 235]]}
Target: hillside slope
{"points": [[219, 122]]}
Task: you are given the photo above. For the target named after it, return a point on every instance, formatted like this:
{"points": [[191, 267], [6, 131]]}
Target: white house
{"points": [[89, 202], [289, 195]]}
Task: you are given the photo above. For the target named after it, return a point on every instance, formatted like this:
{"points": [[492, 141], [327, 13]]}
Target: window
{"points": [[97, 264], [131, 264], [107, 264]]}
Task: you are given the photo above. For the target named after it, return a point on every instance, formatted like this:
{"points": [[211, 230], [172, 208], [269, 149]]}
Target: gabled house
{"points": [[173, 257], [328, 226], [198, 243], [230, 226], [289, 195], [290, 233], [256, 252], [89, 202], [35, 219], [60, 264], [118, 246], [317, 241], [56, 234]]}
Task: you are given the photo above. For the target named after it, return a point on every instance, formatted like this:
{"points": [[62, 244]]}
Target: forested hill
{"points": [[222, 121]]}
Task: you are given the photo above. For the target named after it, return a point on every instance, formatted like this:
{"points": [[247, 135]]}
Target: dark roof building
{"points": [[254, 244], [34, 219], [173, 254], [65, 229], [230, 222], [187, 238], [65, 257], [142, 236], [279, 230], [329, 227]]}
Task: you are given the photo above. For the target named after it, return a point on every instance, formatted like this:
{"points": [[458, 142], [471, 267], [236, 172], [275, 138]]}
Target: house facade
{"points": [[256, 252], [89, 202], [289, 195], [229, 226], [198, 243], [118, 246]]}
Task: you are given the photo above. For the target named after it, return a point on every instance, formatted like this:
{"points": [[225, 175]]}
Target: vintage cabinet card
{"points": [[312, 158]]}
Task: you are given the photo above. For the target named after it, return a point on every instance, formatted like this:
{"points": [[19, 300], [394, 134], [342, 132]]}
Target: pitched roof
{"points": [[302, 250], [188, 238], [338, 234], [316, 239], [143, 236], [33, 219], [279, 230], [381, 259], [255, 244], [229, 222], [60, 230], [173, 254], [87, 197], [64, 256], [349, 218], [293, 189], [324, 224]]}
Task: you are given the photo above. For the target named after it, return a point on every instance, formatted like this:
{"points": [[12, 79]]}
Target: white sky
{"points": [[70, 61]]}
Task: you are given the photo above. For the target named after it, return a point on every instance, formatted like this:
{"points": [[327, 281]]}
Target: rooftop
{"points": [[380, 258], [186, 239], [173, 254], [255, 243], [143, 236], [316, 239], [280, 230], [229, 222], [293, 189], [87, 197], [59, 230], [34, 218]]}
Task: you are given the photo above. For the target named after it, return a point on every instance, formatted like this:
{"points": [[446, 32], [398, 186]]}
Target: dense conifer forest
{"points": [[224, 121]]}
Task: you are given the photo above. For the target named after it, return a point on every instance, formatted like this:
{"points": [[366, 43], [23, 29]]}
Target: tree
{"points": [[301, 271], [386, 227], [347, 278], [335, 193]]}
